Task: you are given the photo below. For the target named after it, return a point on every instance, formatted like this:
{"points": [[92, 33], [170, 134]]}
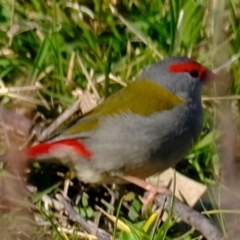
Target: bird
{"points": [[141, 130]]}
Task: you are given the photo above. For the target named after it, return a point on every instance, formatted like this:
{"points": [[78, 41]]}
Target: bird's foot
{"points": [[153, 190]]}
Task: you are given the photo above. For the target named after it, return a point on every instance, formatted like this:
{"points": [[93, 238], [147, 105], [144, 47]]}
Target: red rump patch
{"points": [[191, 67], [45, 148]]}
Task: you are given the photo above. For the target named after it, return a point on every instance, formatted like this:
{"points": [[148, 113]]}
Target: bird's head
{"points": [[180, 75]]}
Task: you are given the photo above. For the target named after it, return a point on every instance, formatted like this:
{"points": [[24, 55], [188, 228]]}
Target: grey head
{"points": [[180, 75]]}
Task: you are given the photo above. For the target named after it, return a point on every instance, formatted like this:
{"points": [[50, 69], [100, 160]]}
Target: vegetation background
{"points": [[51, 51]]}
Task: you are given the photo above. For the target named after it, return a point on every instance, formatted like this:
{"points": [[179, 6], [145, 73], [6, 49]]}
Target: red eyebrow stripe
{"points": [[45, 148], [187, 67]]}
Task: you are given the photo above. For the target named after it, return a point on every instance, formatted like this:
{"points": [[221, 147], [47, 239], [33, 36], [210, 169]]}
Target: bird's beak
{"points": [[210, 76]]}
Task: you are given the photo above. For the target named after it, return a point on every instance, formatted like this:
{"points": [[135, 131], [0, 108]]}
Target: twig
{"points": [[63, 117], [89, 78], [218, 98], [87, 225], [69, 78], [4, 90], [24, 98], [189, 216], [227, 63]]}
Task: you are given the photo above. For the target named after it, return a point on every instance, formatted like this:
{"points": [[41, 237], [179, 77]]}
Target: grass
{"points": [[61, 48]]}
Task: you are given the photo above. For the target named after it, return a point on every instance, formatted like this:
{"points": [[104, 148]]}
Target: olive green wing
{"points": [[141, 97]]}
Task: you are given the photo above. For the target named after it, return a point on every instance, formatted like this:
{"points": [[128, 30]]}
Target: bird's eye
{"points": [[194, 73]]}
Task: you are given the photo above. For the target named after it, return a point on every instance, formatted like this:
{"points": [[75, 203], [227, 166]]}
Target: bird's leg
{"points": [[153, 190]]}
